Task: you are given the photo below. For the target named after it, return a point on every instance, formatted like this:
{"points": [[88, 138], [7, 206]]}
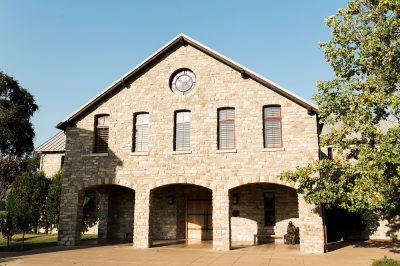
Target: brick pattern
{"points": [[103, 203], [250, 219], [168, 221], [50, 163], [217, 86], [121, 213]]}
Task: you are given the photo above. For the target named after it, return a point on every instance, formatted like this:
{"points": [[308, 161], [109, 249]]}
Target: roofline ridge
{"points": [[278, 88]]}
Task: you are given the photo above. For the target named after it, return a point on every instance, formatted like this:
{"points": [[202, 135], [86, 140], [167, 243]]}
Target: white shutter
{"points": [[226, 129], [102, 132], [142, 132], [272, 111], [272, 126], [182, 131]]}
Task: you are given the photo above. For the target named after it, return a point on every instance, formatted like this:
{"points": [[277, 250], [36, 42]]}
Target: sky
{"points": [[66, 52]]}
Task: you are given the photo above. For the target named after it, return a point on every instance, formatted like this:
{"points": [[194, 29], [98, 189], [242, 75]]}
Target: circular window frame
{"points": [[172, 77]]}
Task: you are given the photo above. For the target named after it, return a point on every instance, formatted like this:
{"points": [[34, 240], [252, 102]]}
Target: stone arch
{"points": [[178, 181], [172, 205], [241, 181], [264, 208], [104, 181], [109, 192]]}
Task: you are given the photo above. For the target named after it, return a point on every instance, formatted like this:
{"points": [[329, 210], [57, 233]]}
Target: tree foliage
{"points": [[26, 200], [364, 53], [17, 106], [53, 198], [10, 168], [90, 210]]}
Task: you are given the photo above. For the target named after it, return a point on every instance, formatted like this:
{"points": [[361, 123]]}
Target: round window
{"points": [[183, 81]]}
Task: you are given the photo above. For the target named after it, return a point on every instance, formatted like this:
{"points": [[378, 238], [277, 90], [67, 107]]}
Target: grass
{"points": [[34, 241], [386, 262]]}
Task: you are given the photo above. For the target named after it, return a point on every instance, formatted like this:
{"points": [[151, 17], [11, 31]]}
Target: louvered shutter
{"points": [[226, 129], [102, 132], [182, 131], [141, 132], [272, 127]]}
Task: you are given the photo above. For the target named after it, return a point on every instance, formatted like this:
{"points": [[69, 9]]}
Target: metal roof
{"points": [[184, 39], [54, 144], [384, 126]]}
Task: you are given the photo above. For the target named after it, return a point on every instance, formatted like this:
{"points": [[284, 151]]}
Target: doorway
{"points": [[199, 219]]}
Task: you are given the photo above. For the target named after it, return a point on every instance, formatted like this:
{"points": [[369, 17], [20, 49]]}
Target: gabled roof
{"points": [[54, 144], [184, 39]]}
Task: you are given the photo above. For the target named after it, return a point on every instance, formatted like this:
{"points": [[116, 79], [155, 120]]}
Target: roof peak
{"points": [[243, 70]]}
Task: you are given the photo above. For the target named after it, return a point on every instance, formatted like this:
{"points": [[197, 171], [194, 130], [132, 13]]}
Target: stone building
{"points": [[188, 145], [52, 154]]}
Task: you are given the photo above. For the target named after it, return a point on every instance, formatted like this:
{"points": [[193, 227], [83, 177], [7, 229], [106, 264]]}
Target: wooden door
{"points": [[199, 219]]}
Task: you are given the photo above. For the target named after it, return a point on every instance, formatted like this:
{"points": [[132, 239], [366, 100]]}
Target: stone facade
{"points": [[218, 85], [250, 208], [50, 163], [168, 219]]}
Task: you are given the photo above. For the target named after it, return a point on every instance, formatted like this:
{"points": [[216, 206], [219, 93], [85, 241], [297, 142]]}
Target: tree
{"points": [[53, 198], [364, 53], [9, 170], [6, 227], [26, 201], [90, 210], [17, 107]]}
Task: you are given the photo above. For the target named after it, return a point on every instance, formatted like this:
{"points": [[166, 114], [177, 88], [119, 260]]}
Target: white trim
{"points": [[96, 154], [181, 152], [139, 153], [273, 149], [226, 151]]}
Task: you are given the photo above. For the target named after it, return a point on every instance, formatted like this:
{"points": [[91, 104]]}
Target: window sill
{"points": [[97, 154], [226, 151], [181, 152], [140, 153], [273, 149]]}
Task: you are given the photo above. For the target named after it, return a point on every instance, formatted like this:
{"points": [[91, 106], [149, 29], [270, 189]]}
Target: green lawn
{"points": [[34, 241]]}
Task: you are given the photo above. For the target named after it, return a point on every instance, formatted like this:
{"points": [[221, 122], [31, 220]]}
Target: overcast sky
{"points": [[66, 52]]}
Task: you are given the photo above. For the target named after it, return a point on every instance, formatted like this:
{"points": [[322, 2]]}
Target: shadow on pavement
{"points": [[391, 246], [7, 256]]}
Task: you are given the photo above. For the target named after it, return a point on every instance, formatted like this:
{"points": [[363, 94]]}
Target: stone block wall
{"points": [[218, 85], [50, 163], [121, 213], [250, 219], [168, 221]]}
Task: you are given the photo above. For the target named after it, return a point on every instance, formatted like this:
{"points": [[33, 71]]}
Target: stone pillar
{"points": [[221, 221], [311, 227], [103, 194], [69, 228], [141, 225]]}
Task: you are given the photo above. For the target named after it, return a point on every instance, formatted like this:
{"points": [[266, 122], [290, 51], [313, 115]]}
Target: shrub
{"points": [[386, 262]]}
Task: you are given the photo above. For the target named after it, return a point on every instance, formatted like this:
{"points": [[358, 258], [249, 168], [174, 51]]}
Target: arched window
{"points": [[272, 126], [141, 132], [101, 133], [226, 128]]}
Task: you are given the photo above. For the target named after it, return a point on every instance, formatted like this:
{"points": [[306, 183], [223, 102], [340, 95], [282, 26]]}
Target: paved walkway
{"points": [[124, 254]]}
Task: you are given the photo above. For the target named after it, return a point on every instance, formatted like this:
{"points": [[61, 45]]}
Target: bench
{"points": [[267, 236]]}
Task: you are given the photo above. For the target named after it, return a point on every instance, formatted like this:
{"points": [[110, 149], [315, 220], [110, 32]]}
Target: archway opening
{"points": [[181, 214], [260, 213], [108, 212]]}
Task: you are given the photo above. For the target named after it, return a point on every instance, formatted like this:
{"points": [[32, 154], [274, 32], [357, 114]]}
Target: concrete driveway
{"points": [[344, 253]]}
